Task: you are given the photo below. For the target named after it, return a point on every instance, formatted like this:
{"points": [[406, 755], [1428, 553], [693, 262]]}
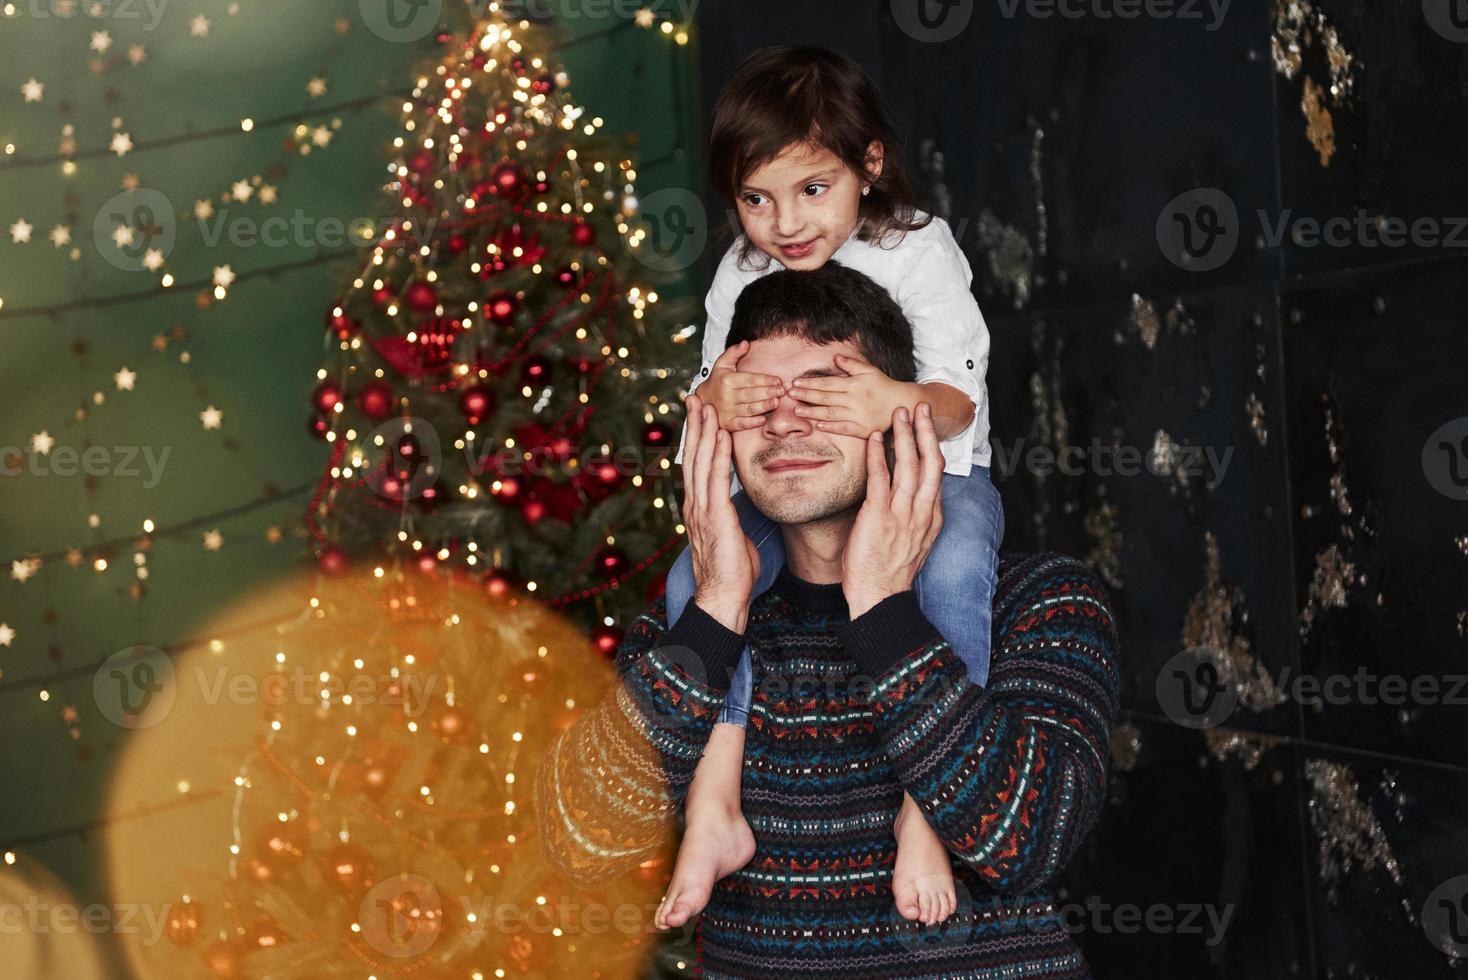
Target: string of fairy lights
{"points": [[306, 140], [215, 287]]}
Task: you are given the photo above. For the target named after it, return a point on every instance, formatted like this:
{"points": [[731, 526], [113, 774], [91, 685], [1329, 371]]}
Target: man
{"points": [[858, 697]]}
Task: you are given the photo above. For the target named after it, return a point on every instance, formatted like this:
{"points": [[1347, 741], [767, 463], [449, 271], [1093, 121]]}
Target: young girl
{"points": [[801, 142]]}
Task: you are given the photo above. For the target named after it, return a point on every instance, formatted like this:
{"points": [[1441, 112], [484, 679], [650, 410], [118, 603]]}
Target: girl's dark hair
{"points": [[802, 93], [824, 306]]}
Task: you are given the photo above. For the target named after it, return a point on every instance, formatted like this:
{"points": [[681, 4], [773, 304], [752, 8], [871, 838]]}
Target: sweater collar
{"points": [[828, 598]]}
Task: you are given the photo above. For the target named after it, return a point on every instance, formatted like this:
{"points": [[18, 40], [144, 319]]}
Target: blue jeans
{"points": [[954, 588]]}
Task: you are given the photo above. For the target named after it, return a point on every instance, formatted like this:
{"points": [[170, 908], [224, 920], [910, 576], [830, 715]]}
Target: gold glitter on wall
{"points": [[1338, 568], [1214, 621], [1347, 833], [1103, 524], [1126, 746], [1144, 320], [1248, 747], [1328, 587], [1254, 408], [1319, 127], [1298, 26], [1011, 259]]}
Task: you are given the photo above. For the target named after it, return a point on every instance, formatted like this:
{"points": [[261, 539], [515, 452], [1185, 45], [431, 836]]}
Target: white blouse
{"points": [[929, 276]]}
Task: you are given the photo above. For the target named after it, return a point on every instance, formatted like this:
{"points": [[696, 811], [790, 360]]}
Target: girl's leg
{"points": [[955, 586], [717, 840], [955, 589]]}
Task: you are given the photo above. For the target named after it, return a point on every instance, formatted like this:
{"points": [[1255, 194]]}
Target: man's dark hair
{"points": [[824, 306]]}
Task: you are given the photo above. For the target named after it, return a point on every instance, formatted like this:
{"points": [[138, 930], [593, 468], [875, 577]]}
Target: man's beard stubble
{"points": [[795, 510]]}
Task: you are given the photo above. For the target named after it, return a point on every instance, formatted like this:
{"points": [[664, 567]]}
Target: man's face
{"points": [[793, 472]]}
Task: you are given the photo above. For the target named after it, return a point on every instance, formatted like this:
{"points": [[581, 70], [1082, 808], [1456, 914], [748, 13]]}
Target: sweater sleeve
{"points": [[1011, 776], [608, 789]]}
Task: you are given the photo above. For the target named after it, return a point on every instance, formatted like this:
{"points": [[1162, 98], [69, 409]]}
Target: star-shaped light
{"points": [[74, 557], [7, 635], [23, 568], [153, 259], [122, 236], [199, 26], [125, 379], [212, 417], [20, 232], [269, 194], [321, 136], [42, 442], [223, 276], [121, 143], [213, 540], [241, 190], [316, 87], [645, 17], [61, 236], [69, 714], [203, 210], [137, 54], [33, 90], [101, 41], [273, 534]]}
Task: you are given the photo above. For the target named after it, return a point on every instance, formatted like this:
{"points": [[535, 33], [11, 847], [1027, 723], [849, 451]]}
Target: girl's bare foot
{"points": [[922, 880], [717, 840]]}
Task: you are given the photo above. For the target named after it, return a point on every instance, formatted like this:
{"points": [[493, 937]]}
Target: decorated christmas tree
{"points": [[500, 404], [501, 401]]}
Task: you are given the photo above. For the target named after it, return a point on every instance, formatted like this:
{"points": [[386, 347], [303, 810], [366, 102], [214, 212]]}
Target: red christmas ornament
{"points": [[500, 583], [508, 491], [607, 639], [429, 352], [518, 65], [343, 326], [382, 296], [533, 511], [427, 563], [326, 396], [537, 370], [422, 297], [332, 560], [508, 179], [477, 403], [348, 869], [375, 400], [223, 960], [319, 426], [185, 920], [610, 561], [581, 364], [566, 277], [264, 934], [501, 306], [457, 243], [543, 85], [422, 162], [451, 725], [583, 234], [657, 435]]}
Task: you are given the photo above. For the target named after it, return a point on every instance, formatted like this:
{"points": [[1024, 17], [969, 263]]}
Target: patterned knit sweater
{"points": [[846, 714]]}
